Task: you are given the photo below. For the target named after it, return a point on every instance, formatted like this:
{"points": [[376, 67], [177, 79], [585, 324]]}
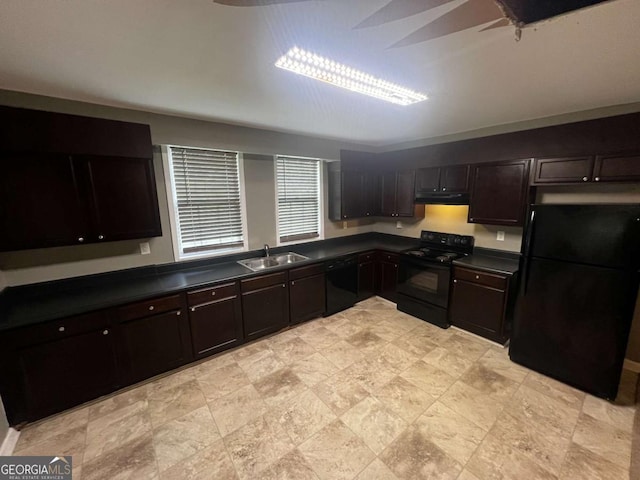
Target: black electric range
{"points": [[424, 275]]}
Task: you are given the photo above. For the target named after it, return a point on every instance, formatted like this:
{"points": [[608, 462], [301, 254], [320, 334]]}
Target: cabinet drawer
{"points": [[308, 271], [58, 329], [212, 294], [482, 278], [148, 307], [388, 257], [366, 257], [263, 281]]}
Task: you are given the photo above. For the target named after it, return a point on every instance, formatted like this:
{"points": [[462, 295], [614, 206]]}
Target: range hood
{"points": [[441, 198]]}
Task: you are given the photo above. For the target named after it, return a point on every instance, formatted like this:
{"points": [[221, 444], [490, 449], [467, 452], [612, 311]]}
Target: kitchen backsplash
{"points": [[453, 219]]}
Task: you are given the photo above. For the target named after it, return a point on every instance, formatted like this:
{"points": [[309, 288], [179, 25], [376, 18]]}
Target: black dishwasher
{"points": [[342, 283]]}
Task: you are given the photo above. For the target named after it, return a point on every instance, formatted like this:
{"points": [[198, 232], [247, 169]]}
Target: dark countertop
{"points": [[493, 261], [41, 302]]}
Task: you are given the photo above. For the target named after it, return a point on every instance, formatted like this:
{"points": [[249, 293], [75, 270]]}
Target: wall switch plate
{"points": [[145, 248], [398, 224], [344, 225], [500, 236]]}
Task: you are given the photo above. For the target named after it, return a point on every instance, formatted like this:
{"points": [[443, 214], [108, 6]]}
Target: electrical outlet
{"points": [[398, 224], [344, 225], [500, 236], [145, 248]]}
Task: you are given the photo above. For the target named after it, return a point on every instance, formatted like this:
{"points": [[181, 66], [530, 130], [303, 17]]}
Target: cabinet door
{"points": [[125, 203], [366, 279], [353, 194], [405, 194], [499, 193], [67, 372], [40, 203], [155, 344], [617, 168], [388, 274], [388, 194], [215, 326], [478, 308], [428, 179], [307, 298], [563, 170], [265, 310], [455, 179], [371, 194]]}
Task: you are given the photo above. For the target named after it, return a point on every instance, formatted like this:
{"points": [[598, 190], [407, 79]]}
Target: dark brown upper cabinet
{"points": [[563, 170], [454, 179], [69, 180], [499, 193], [352, 193], [623, 167], [397, 194]]}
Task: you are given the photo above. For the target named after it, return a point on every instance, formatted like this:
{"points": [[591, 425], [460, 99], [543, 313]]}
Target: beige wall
{"points": [[453, 219], [4, 424]]}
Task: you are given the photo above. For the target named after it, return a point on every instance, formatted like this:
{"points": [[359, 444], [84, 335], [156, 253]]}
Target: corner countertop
{"points": [[492, 261], [42, 302]]}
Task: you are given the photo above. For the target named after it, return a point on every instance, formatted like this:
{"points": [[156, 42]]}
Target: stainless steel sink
{"points": [[263, 263]]}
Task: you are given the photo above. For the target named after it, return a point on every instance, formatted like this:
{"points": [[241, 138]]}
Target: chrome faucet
{"points": [[266, 250]]}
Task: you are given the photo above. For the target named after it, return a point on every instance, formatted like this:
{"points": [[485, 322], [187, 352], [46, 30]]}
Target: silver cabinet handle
{"points": [[471, 219], [584, 179], [477, 277], [81, 239], [151, 307], [179, 312], [105, 332], [61, 329], [193, 309], [444, 189], [455, 281], [597, 179], [293, 283], [100, 237], [213, 294], [435, 189], [284, 285]]}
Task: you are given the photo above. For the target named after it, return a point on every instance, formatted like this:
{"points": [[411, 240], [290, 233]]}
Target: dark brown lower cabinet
{"points": [[480, 303], [366, 275], [265, 304], [155, 342], [215, 318], [50, 367], [387, 275], [307, 293]]}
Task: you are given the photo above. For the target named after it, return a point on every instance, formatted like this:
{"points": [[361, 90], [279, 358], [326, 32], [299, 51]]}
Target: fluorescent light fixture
{"points": [[314, 66]]}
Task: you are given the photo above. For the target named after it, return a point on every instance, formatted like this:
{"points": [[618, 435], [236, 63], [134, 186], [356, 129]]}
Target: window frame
{"points": [[172, 206], [321, 196]]}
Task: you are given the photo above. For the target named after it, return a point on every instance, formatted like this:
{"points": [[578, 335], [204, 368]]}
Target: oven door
{"points": [[424, 280]]}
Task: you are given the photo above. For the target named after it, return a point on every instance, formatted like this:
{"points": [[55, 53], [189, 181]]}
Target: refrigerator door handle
{"points": [[527, 251]]}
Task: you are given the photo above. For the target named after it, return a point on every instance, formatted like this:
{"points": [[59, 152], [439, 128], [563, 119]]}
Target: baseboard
{"points": [[9, 443], [631, 365]]}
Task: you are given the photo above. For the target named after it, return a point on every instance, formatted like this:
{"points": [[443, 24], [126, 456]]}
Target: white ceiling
{"points": [[200, 59]]}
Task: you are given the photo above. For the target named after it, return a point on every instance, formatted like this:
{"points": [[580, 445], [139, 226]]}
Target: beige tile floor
{"points": [[370, 393]]}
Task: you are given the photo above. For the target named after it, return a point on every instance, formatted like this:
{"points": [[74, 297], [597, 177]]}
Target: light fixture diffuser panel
{"points": [[314, 66]]}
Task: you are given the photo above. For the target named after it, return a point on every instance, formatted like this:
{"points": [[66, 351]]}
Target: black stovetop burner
{"points": [[437, 255], [442, 247]]}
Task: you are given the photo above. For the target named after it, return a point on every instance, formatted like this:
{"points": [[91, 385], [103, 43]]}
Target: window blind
{"points": [[207, 191], [298, 182]]}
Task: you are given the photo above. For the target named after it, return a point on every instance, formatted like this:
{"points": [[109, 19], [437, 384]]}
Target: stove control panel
{"points": [[447, 239]]}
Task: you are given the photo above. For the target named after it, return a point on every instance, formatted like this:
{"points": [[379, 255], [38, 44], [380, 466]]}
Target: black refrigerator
{"points": [[577, 291]]}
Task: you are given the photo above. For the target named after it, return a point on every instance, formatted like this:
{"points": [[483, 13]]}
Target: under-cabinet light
{"points": [[314, 66]]}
